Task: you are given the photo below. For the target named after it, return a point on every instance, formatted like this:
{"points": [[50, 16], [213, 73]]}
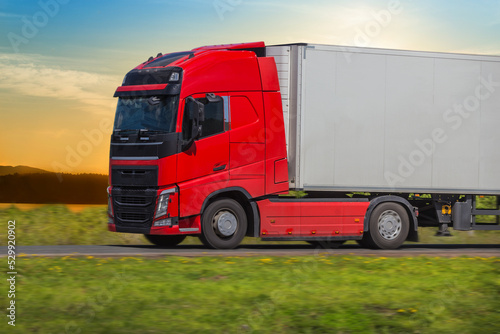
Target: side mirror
{"points": [[212, 98], [197, 113], [198, 117]]}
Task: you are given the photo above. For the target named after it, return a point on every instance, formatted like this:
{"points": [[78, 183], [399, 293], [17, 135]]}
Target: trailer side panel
{"points": [[392, 121]]}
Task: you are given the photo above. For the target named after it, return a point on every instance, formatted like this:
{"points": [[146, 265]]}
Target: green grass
{"points": [[321, 294], [57, 225]]}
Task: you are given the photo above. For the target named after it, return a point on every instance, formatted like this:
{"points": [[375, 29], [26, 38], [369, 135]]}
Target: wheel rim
{"points": [[225, 223], [389, 224]]}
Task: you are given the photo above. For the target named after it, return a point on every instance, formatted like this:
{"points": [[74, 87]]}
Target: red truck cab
{"points": [[198, 136]]}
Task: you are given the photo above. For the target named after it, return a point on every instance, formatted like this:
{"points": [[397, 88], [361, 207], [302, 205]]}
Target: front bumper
{"points": [[134, 209], [185, 226]]}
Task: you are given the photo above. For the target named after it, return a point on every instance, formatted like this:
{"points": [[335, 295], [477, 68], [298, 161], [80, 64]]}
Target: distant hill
{"points": [[8, 170], [52, 188]]}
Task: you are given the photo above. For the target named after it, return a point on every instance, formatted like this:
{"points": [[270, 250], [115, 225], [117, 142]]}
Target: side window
{"points": [[214, 118]]}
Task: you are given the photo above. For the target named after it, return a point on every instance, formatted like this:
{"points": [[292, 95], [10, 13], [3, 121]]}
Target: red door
{"points": [[204, 167]]}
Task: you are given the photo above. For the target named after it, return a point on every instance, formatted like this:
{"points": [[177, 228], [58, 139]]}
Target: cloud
{"points": [[338, 15], [28, 75], [339, 22], [10, 15]]}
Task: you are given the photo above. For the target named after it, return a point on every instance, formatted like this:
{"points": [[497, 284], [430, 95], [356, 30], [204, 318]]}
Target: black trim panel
{"points": [[290, 44], [134, 176], [259, 52], [255, 232], [126, 229], [151, 76], [168, 59], [159, 146], [323, 200], [299, 238]]}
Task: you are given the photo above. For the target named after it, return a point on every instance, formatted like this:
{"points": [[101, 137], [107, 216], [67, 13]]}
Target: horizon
{"points": [[61, 61], [48, 171], [43, 171]]}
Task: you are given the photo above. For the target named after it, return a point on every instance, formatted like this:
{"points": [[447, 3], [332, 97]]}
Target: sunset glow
{"points": [[60, 61]]}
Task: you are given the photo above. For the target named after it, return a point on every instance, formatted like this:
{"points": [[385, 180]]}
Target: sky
{"points": [[61, 60]]}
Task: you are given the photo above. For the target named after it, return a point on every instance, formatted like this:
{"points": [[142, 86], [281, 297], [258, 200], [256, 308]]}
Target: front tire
{"points": [[165, 240], [389, 226], [223, 224]]}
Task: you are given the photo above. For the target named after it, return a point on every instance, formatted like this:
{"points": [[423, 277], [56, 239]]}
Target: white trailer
{"points": [[377, 120], [394, 122]]}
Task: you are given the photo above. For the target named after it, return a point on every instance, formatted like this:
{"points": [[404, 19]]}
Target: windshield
{"points": [[147, 113]]}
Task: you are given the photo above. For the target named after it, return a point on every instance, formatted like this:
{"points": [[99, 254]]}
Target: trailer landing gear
{"points": [[443, 231]]}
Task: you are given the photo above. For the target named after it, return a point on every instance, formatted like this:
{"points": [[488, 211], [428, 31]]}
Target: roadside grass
{"points": [[57, 225], [311, 294]]}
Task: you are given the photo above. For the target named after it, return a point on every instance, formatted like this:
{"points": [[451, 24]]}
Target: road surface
{"points": [[254, 250]]}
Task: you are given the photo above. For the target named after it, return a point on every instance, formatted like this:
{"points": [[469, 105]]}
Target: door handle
{"points": [[218, 168]]}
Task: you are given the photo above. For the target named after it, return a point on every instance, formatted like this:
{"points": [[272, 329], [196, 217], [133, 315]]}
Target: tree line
{"points": [[52, 188]]}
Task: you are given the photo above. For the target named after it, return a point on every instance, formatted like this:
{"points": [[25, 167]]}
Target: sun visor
{"points": [[153, 81]]}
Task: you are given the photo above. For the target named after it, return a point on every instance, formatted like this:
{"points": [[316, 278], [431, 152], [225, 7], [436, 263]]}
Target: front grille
{"points": [[132, 200], [134, 207], [133, 216], [134, 176]]}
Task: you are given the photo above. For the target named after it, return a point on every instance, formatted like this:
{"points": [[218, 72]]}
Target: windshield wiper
{"points": [[124, 131], [146, 131]]}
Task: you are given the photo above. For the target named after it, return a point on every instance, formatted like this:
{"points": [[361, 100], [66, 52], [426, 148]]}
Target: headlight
{"points": [[162, 206], [161, 209], [174, 77]]}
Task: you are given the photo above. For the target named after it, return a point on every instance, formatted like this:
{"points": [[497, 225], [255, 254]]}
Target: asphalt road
{"points": [[254, 250]]}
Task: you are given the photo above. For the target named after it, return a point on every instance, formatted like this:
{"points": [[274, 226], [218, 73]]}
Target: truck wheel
{"points": [[223, 224], [330, 244], [389, 226], [165, 240]]}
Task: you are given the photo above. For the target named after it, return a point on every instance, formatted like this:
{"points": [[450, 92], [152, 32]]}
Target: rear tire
{"points": [[223, 224], [165, 240], [389, 227]]}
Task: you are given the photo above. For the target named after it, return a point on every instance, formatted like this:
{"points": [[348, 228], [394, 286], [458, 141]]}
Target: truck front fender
{"points": [[243, 197], [413, 234]]}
